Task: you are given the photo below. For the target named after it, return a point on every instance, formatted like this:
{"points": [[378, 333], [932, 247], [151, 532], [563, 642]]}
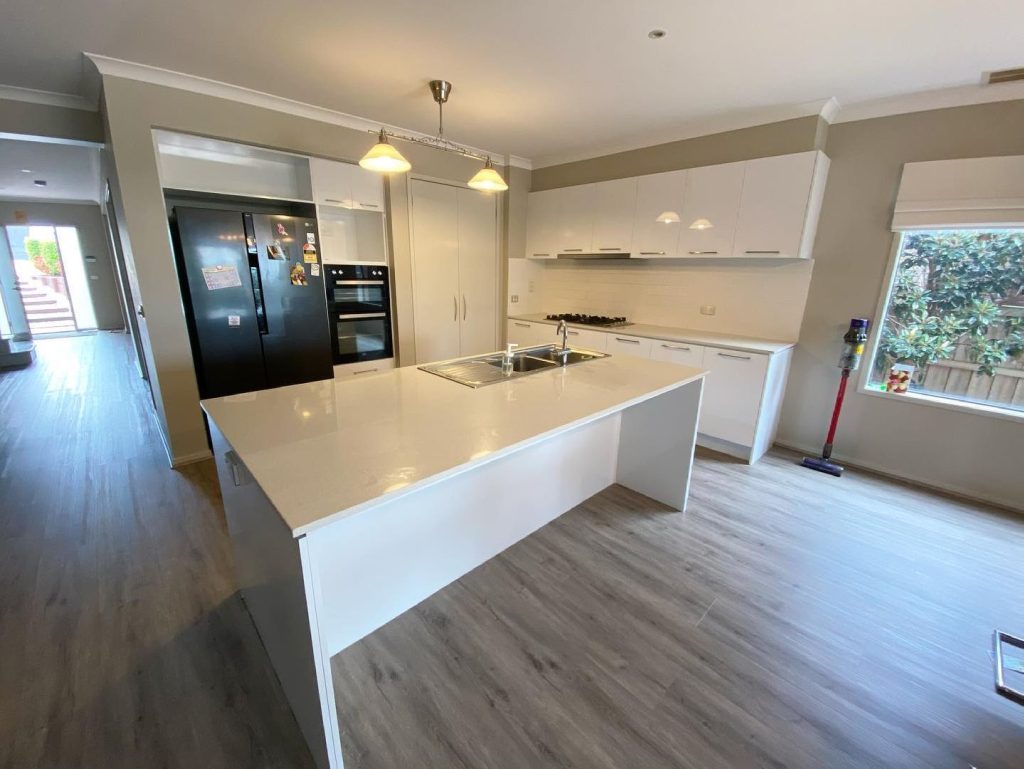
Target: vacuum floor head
{"points": [[823, 466]]}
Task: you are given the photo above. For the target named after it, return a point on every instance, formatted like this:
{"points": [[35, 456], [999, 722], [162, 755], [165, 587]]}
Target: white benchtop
{"points": [[326, 450], [671, 334]]}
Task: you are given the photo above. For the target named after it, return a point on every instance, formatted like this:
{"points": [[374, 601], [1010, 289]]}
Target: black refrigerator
{"points": [[254, 299]]}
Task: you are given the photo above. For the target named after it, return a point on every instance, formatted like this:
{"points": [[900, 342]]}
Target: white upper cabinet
{"points": [[612, 208], [658, 194], [780, 204], [541, 212], [712, 198], [574, 219], [346, 185]]}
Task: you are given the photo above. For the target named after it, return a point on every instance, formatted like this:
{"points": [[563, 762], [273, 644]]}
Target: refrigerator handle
{"points": [[257, 294]]}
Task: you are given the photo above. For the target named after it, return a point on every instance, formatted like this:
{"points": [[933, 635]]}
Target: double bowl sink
{"points": [[489, 369]]}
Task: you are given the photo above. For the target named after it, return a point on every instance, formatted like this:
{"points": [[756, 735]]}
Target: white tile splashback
{"points": [[763, 299]]}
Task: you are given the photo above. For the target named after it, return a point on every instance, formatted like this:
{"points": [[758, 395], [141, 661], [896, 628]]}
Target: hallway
{"points": [[124, 643]]}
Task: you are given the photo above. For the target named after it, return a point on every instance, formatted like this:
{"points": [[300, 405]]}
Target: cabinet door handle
{"points": [[368, 205], [465, 307], [735, 357], [653, 253], [521, 325], [672, 347], [333, 200], [698, 253], [628, 341], [364, 371], [455, 307], [230, 457], [762, 252], [573, 333], [611, 248], [542, 254], [573, 250]]}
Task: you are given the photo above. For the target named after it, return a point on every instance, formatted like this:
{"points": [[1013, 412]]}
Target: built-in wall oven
{"points": [[359, 302]]}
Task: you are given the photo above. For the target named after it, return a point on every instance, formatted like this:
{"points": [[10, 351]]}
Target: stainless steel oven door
{"points": [[359, 297], [361, 337]]}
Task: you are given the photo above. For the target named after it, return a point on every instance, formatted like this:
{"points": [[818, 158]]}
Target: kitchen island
{"points": [[350, 502]]}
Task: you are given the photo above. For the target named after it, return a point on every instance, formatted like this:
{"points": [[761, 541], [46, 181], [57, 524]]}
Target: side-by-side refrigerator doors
{"points": [[219, 302], [296, 338]]}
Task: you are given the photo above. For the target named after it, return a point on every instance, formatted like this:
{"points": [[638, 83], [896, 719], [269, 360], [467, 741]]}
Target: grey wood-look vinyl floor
{"points": [[787, 620]]}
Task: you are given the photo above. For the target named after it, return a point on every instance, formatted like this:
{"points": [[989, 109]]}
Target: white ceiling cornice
{"points": [[49, 98], [111, 67], [961, 96]]}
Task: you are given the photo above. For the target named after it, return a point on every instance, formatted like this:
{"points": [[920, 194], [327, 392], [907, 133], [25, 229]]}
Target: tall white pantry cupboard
{"points": [[455, 270]]}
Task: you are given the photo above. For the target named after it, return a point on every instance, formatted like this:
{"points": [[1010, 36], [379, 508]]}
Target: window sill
{"points": [[978, 409]]}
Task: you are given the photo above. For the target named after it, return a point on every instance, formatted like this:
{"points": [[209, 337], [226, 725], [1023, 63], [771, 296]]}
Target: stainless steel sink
{"points": [[483, 370]]}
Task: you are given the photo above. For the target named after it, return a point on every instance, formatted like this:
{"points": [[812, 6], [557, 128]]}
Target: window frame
{"points": [[868, 361]]}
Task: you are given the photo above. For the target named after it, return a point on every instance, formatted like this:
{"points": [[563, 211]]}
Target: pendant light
{"points": [[701, 224], [668, 217], [487, 179], [384, 158]]}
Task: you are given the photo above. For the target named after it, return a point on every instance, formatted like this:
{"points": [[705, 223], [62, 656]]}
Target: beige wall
{"points": [[92, 236], [753, 299], [20, 117], [972, 454], [132, 109], [782, 138]]}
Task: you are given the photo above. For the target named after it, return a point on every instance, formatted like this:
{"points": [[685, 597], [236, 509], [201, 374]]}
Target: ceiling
{"points": [[539, 79], [70, 172]]}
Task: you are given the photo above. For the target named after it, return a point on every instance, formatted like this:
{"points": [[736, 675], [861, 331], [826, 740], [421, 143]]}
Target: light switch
{"points": [[707, 309], [515, 298]]}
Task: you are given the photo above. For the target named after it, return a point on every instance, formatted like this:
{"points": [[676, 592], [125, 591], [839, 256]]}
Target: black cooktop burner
{"points": [[589, 320]]}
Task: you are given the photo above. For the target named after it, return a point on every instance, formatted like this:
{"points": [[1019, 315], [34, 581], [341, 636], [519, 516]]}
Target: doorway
{"points": [[51, 279]]}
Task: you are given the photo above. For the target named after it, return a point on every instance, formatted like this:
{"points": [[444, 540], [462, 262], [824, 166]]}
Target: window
{"points": [[953, 325]]}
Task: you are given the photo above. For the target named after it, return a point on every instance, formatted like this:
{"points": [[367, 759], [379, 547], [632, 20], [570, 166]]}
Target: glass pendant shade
{"points": [[384, 158], [668, 217], [701, 224], [487, 179]]}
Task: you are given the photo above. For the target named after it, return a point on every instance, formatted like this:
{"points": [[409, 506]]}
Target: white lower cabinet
{"points": [[525, 334], [683, 353], [621, 344], [732, 394], [366, 368], [587, 339]]}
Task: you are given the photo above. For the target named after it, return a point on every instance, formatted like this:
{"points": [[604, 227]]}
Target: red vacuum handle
{"points": [[835, 414]]}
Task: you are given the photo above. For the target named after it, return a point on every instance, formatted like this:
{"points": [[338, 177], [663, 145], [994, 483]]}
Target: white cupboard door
{"points": [[581, 337], [774, 205], [525, 334], [681, 353], [541, 214], [331, 181], [612, 206], [712, 197], [367, 189], [732, 394], [574, 223], [478, 271], [658, 194], [635, 346], [435, 246], [339, 241]]}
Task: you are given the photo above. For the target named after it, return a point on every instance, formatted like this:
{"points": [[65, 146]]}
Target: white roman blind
{"points": [[973, 192]]}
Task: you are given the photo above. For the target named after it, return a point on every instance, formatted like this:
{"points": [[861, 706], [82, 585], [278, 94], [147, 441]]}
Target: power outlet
{"points": [[707, 309], [515, 298]]}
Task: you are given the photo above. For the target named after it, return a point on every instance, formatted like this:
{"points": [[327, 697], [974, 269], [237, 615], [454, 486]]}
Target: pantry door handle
{"points": [[455, 307], [735, 357], [670, 347], [465, 307], [630, 341]]}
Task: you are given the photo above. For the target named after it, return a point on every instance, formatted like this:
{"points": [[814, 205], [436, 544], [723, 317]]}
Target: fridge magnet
{"points": [[234, 320], [274, 251], [309, 253], [311, 238], [298, 275], [281, 230], [899, 378], [314, 270], [221, 276]]}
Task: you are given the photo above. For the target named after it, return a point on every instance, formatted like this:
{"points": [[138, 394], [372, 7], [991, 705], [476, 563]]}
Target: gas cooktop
{"points": [[590, 320]]}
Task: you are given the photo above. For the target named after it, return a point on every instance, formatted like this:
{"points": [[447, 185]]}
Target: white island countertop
{"points": [[327, 450], [672, 334]]}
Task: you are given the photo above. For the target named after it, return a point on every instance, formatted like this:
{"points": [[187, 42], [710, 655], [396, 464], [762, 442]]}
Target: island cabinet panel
{"points": [[455, 271]]}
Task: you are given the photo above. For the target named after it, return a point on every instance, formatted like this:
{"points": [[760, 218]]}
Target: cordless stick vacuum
{"points": [[853, 349]]}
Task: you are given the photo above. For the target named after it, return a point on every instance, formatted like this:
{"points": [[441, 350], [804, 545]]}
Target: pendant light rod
{"points": [[437, 143]]}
